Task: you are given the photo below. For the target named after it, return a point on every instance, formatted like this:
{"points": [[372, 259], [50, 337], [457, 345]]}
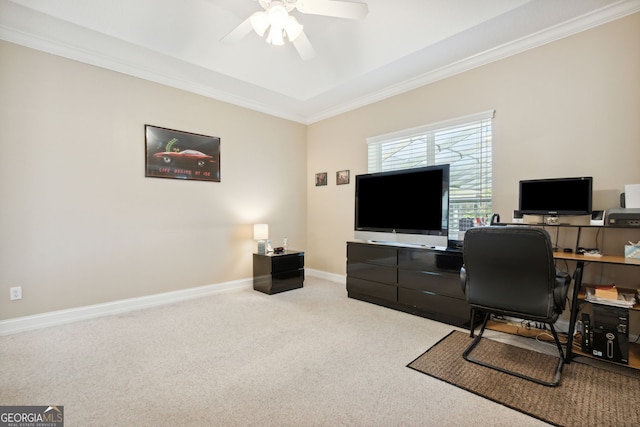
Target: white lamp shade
{"points": [[260, 231]]}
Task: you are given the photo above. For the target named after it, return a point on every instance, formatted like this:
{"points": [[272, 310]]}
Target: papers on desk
{"points": [[609, 295]]}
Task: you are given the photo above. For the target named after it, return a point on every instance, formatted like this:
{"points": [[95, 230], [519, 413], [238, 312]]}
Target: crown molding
{"points": [[136, 69], [572, 27], [138, 62]]}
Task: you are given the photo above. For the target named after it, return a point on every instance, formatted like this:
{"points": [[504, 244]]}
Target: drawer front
{"points": [[288, 275], [286, 263], [447, 284], [261, 265], [437, 304], [430, 260], [373, 289], [373, 272], [288, 280], [374, 254]]}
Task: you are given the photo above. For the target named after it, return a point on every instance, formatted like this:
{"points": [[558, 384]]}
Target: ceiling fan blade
{"points": [[303, 46], [335, 8], [239, 32]]}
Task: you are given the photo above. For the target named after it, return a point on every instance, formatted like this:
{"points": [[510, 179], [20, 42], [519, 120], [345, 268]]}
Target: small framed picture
{"points": [[321, 179], [342, 177]]}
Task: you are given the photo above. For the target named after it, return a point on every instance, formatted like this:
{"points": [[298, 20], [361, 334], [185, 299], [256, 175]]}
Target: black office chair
{"points": [[510, 271]]}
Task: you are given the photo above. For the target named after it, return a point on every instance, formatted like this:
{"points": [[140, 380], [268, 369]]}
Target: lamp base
{"points": [[262, 247]]}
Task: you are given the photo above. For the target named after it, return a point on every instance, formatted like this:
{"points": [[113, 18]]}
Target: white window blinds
{"points": [[464, 143]]}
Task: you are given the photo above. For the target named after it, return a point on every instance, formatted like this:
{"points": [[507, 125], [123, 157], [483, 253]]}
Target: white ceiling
{"points": [[398, 46]]}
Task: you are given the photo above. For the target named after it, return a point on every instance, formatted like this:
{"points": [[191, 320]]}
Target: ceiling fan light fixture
{"points": [[293, 28], [260, 22], [278, 15], [275, 36], [275, 18]]}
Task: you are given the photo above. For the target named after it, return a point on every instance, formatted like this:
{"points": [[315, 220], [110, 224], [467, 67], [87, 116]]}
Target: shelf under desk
{"points": [[543, 335], [581, 260], [634, 356]]}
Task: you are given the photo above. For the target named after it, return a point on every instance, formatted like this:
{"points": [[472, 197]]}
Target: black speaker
{"points": [[587, 334]]}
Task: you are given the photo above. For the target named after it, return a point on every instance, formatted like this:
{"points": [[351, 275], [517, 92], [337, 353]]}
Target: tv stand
{"points": [[419, 280]]}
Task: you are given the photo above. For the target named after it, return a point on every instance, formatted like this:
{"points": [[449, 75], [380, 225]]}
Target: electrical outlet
{"points": [[16, 293]]}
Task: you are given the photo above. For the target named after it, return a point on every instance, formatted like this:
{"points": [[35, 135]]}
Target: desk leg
{"points": [[577, 284]]}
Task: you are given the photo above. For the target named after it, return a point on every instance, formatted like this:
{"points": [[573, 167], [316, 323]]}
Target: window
{"points": [[464, 143]]}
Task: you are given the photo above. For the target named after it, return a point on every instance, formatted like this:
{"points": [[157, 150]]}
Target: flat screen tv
{"points": [[557, 196], [409, 206]]}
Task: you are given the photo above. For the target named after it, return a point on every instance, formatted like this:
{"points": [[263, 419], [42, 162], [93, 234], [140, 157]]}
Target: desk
{"points": [[607, 259], [577, 284]]}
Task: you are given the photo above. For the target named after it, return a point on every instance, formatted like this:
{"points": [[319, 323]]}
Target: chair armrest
{"points": [[463, 279], [560, 290]]}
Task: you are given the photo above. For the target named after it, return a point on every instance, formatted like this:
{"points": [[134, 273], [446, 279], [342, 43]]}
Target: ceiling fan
{"points": [[281, 25]]}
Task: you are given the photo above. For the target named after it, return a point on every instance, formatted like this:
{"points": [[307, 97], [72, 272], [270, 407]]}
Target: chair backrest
{"points": [[511, 270]]}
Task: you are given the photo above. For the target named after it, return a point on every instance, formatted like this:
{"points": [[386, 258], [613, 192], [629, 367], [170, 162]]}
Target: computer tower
{"points": [[610, 330]]}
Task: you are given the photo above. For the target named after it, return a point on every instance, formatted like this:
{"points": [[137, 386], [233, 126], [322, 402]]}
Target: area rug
{"points": [[589, 394]]}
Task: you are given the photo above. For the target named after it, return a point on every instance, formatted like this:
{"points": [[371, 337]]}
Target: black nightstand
{"points": [[273, 273]]}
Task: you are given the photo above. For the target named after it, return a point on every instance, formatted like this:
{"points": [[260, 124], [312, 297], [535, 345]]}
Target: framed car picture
{"points": [[181, 155]]}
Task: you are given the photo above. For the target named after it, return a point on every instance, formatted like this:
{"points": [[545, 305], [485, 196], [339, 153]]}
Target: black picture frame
{"points": [[321, 179], [342, 177], [181, 155]]}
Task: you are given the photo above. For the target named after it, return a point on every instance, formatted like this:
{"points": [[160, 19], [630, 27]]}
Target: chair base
{"points": [[467, 352]]}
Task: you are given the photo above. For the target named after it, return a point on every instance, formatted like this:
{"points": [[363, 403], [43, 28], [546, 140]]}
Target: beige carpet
{"points": [[310, 357], [587, 395]]}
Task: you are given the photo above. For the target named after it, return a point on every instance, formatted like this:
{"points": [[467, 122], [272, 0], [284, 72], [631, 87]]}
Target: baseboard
{"points": [[332, 277], [53, 318]]}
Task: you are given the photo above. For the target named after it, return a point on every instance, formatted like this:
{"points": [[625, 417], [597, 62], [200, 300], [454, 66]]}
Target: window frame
{"points": [[478, 208]]}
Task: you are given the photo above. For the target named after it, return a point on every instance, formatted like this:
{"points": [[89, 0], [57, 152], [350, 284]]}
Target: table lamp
{"points": [[261, 234]]}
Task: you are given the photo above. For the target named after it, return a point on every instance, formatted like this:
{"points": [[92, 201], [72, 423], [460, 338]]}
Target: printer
{"points": [[623, 217]]}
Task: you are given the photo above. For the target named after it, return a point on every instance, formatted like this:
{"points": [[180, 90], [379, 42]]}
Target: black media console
{"points": [[420, 281]]}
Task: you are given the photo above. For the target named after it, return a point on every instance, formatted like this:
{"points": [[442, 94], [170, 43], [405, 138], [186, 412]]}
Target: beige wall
{"points": [[569, 108], [79, 222]]}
